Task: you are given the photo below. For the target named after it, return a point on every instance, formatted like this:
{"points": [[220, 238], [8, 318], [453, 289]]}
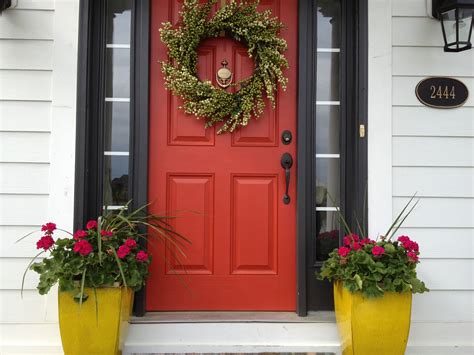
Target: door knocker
{"points": [[224, 76]]}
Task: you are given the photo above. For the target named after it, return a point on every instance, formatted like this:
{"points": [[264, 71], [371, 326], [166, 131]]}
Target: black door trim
{"points": [[88, 174]]}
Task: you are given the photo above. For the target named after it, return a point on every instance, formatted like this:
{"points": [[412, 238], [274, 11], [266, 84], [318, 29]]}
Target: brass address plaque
{"points": [[442, 92]]}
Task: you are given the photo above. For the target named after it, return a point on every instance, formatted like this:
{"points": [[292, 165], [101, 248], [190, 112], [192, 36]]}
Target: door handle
{"points": [[286, 163]]}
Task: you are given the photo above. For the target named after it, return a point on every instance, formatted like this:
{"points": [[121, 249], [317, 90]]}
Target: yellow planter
{"points": [[372, 326], [89, 330]]}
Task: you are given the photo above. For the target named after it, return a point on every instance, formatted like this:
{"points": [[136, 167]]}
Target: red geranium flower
{"points": [[412, 257], [83, 247], [80, 234], [142, 256], [377, 250], [123, 251], [45, 242], [356, 246], [48, 227], [91, 224], [131, 243], [343, 251]]}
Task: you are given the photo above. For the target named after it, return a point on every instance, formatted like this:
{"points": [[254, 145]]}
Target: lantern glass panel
{"points": [[449, 27]]}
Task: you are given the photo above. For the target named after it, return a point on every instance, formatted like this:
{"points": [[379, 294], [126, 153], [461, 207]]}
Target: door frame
{"points": [[89, 121]]}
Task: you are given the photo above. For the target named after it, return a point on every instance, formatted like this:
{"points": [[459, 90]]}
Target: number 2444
{"points": [[440, 92]]}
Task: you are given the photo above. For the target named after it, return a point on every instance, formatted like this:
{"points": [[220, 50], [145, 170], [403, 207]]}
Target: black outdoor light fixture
{"points": [[456, 22]]}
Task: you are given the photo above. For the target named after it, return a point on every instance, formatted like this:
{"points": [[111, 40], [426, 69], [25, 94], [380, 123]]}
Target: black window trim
{"points": [[90, 101]]}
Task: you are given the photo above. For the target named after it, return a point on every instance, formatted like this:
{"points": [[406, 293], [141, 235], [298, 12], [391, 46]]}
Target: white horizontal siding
{"points": [[33, 116], [447, 274], [426, 121], [433, 181], [20, 210], [24, 178], [30, 308], [442, 243], [404, 91], [27, 24], [10, 248], [433, 151], [34, 5], [409, 8], [24, 147], [25, 85], [416, 31], [461, 306], [26, 54], [421, 61], [438, 212], [12, 270]]}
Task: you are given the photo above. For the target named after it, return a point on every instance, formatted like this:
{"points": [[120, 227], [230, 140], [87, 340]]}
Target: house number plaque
{"points": [[442, 92]]}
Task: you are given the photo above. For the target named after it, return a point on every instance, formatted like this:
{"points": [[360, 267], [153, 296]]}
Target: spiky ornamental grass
{"points": [[242, 22]]}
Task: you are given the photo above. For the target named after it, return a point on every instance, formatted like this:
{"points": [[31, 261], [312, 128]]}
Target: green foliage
{"points": [[241, 21], [373, 275], [106, 262], [375, 267]]}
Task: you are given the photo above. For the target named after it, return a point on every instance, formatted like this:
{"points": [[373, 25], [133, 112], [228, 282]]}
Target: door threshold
{"points": [[234, 317]]}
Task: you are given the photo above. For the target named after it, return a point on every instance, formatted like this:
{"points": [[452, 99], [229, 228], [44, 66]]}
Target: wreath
{"points": [[242, 22]]}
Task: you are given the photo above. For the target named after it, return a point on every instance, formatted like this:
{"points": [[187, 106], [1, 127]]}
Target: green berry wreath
{"points": [[242, 22]]}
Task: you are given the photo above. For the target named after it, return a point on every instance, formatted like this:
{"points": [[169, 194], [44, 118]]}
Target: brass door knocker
{"points": [[224, 76]]}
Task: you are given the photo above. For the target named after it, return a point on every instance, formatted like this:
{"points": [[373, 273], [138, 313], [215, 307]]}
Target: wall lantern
{"points": [[456, 22]]}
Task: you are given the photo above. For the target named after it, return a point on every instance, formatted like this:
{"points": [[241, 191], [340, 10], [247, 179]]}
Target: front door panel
{"points": [[226, 189]]}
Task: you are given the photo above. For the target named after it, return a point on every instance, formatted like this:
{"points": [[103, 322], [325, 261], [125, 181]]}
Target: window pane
{"points": [[329, 23], [327, 87], [327, 234], [118, 73], [115, 180], [117, 126], [327, 129], [119, 21], [327, 182]]}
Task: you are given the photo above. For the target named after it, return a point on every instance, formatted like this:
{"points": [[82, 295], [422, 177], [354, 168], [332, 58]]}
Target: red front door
{"points": [[226, 189]]}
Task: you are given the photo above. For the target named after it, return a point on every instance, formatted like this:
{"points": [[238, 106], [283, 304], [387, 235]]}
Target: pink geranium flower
{"points": [[142, 256], [45, 242], [131, 243], [49, 227], [123, 251], [80, 234], [83, 247], [378, 250], [343, 251], [412, 257], [91, 224]]}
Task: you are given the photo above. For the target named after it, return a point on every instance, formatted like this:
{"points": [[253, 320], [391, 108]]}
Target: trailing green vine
{"points": [[242, 22]]}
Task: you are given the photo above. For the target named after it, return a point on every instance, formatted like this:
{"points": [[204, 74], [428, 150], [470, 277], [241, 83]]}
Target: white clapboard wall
{"points": [[38, 60], [433, 154]]}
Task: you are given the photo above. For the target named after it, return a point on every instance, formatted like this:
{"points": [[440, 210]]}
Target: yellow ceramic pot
{"points": [[372, 326], [95, 327]]}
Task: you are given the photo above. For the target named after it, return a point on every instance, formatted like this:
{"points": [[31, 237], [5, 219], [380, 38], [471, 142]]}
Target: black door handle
{"points": [[286, 163]]}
